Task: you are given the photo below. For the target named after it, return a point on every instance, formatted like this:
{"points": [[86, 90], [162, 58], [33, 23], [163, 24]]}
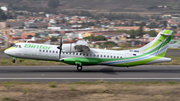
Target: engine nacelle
{"points": [[68, 48]]}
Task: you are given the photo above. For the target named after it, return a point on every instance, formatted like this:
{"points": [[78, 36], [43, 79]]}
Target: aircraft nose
{"points": [[6, 51]]}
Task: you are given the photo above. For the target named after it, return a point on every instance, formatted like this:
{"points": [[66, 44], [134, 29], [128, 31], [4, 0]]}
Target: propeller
{"points": [[60, 47]]}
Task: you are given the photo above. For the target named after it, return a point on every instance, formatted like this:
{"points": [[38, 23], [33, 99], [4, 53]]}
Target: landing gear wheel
{"points": [[79, 68], [13, 61]]}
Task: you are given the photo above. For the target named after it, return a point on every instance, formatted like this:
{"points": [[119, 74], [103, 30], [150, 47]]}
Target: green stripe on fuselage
{"points": [[11, 48], [141, 62]]}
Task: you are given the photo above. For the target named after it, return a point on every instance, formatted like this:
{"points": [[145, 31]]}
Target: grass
{"points": [[73, 88], [53, 84], [6, 98], [25, 90], [101, 91]]}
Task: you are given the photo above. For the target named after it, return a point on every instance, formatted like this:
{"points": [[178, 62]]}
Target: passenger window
{"points": [[97, 55], [90, 54], [114, 56], [101, 56], [43, 50], [108, 56], [104, 55], [94, 54], [117, 56], [76, 53], [86, 54], [50, 51], [46, 50], [80, 54], [83, 54], [111, 56], [39, 50], [121, 57], [19, 46], [56, 51], [73, 53]]}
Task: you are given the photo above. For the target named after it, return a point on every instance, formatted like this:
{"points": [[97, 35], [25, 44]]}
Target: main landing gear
{"points": [[79, 66]]}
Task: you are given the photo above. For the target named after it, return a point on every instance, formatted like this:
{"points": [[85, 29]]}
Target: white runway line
{"points": [[94, 78]]}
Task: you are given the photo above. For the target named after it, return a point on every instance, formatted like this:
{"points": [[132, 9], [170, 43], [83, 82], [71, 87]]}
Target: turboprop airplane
{"points": [[80, 54]]}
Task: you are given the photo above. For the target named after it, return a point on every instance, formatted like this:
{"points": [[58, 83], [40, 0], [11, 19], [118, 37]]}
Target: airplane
{"points": [[80, 54]]}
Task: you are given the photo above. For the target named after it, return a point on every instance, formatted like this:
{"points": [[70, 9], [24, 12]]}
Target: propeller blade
{"points": [[60, 47]]}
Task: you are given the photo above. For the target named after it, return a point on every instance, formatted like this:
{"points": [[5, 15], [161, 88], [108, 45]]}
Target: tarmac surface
{"points": [[90, 73]]}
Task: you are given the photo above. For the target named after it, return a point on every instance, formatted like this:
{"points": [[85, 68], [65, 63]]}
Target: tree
{"points": [[110, 44], [140, 31], [152, 33], [53, 39], [3, 16], [37, 35], [53, 3], [97, 38], [63, 20], [165, 24], [152, 25], [100, 38]]}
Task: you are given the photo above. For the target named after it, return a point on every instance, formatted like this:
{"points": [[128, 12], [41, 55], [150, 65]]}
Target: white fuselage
{"points": [[50, 52]]}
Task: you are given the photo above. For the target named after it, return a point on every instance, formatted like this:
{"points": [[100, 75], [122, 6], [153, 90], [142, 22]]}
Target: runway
{"points": [[90, 73]]}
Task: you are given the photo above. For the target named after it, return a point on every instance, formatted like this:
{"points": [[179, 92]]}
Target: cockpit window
{"points": [[14, 46], [17, 46]]}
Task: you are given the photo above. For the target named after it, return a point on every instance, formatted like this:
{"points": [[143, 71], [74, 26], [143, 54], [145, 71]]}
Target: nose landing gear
{"points": [[14, 60]]}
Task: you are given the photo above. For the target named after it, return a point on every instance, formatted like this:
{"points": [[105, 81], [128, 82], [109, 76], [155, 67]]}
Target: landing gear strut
{"points": [[79, 67]]}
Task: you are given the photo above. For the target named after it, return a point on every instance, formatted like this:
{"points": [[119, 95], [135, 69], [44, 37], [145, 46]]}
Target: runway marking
{"points": [[97, 78]]}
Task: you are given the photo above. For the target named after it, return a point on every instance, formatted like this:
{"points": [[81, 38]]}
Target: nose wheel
{"points": [[13, 61], [79, 68]]}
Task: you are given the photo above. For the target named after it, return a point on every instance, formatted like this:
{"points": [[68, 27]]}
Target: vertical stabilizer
{"points": [[159, 45]]}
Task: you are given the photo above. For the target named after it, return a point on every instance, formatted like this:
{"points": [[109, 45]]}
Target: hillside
{"points": [[98, 5]]}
